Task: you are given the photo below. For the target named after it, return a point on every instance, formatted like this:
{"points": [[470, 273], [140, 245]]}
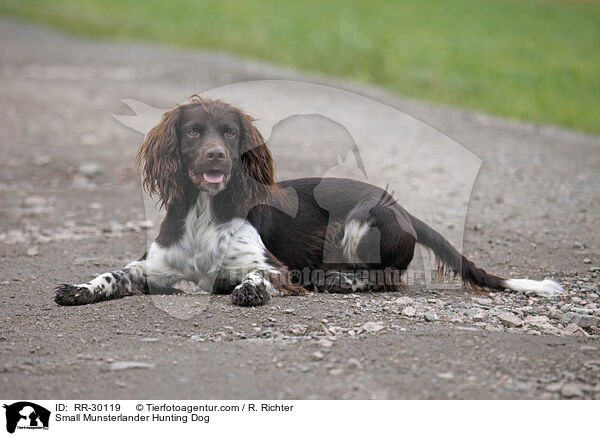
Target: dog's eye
{"points": [[230, 134], [192, 132]]}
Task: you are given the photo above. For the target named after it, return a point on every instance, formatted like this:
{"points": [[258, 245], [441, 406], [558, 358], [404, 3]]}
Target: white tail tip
{"points": [[543, 288]]}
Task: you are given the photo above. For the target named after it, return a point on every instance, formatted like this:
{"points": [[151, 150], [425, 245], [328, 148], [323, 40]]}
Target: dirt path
{"points": [[71, 206]]}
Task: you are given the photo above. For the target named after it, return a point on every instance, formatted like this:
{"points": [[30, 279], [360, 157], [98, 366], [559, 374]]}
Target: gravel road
{"points": [[71, 206]]}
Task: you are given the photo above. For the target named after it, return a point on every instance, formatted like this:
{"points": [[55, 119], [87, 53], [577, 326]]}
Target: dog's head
{"points": [[206, 145]]}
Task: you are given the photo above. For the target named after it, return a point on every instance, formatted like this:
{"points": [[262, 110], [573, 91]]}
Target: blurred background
{"points": [[533, 60]]}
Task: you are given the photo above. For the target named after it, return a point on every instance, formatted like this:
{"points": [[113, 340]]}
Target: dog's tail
{"points": [[473, 275]]}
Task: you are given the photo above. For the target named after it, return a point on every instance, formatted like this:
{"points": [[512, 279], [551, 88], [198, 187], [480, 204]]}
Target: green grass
{"points": [[531, 60]]}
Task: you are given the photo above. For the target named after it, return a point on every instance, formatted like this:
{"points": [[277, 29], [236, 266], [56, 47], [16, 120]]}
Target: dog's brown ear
{"points": [[159, 160], [257, 163]]}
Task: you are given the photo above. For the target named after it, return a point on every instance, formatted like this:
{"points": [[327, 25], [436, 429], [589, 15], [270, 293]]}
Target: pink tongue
{"points": [[213, 177]]}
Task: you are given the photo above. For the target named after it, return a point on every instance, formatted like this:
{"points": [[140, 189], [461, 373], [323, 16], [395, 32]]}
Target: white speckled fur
{"points": [[260, 277], [207, 251], [353, 233], [232, 251]]}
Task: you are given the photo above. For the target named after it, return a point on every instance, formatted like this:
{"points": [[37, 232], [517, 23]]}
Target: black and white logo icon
{"points": [[26, 415]]}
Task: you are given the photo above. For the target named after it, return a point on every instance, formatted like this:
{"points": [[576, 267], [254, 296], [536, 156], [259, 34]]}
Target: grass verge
{"points": [[532, 60]]}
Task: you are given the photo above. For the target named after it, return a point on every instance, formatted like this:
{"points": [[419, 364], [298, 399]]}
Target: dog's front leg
{"points": [[258, 286], [257, 273], [149, 275], [255, 289]]}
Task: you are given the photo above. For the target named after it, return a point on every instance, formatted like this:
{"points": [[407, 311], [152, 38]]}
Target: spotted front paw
{"points": [[248, 294], [71, 295]]}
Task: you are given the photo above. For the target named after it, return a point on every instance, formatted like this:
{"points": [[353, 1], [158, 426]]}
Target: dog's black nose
{"points": [[215, 152]]}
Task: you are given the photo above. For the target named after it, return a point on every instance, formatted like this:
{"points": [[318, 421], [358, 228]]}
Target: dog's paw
{"points": [[71, 295], [335, 282], [248, 294]]}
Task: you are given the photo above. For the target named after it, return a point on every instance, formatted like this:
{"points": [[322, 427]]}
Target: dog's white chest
{"points": [[208, 250]]}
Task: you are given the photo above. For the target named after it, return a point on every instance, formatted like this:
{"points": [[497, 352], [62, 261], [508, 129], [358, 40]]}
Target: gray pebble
{"points": [[510, 319]]}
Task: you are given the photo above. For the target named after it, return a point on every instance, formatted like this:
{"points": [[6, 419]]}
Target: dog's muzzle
{"points": [[212, 170]]}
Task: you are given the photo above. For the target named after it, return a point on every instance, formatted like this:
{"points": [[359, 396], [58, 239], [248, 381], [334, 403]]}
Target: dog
{"points": [[226, 227]]}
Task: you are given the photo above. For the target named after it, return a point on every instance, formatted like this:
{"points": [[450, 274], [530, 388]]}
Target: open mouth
{"points": [[210, 177]]}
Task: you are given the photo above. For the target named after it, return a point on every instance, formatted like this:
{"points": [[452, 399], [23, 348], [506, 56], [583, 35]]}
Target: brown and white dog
{"points": [[225, 227]]}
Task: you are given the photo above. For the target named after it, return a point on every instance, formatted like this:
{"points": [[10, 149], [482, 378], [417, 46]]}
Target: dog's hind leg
{"points": [[362, 280], [376, 241]]}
